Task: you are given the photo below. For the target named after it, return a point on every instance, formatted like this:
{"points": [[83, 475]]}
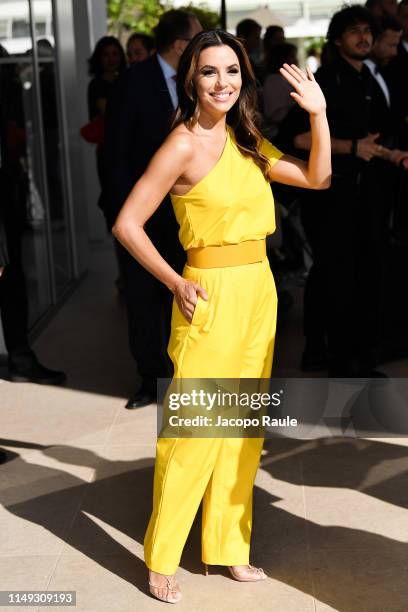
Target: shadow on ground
{"points": [[348, 569]]}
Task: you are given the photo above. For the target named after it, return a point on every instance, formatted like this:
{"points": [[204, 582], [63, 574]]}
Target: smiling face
{"points": [[356, 41], [218, 79]]}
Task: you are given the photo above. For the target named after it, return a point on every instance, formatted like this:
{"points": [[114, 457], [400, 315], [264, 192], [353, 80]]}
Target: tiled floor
{"points": [[330, 514]]}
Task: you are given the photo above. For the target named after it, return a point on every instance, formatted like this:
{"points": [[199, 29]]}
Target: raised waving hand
{"points": [[307, 91]]}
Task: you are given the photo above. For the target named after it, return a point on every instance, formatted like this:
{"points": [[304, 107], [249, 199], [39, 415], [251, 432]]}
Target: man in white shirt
{"points": [[385, 47], [383, 50]]}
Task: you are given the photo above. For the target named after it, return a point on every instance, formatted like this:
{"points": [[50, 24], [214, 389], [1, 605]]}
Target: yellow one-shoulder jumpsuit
{"points": [[230, 336]]}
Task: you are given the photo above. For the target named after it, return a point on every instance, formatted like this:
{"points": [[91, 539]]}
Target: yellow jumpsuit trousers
{"points": [[231, 336]]}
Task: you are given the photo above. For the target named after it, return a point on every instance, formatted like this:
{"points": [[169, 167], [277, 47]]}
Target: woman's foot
{"points": [[247, 573], [164, 587]]}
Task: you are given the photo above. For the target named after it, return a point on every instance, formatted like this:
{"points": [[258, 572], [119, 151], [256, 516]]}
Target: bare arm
{"points": [[167, 165], [316, 173]]}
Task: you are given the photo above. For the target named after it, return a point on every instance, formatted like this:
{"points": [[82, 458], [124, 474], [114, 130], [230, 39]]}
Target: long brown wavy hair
{"points": [[242, 117]]}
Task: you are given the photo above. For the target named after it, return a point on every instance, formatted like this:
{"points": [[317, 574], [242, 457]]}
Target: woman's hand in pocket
{"points": [[186, 294]]}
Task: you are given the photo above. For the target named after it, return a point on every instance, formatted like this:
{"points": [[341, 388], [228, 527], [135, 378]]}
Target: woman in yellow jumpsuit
{"points": [[224, 311]]}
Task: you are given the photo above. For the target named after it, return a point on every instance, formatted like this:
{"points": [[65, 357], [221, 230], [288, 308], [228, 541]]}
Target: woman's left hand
{"points": [[307, 92]]}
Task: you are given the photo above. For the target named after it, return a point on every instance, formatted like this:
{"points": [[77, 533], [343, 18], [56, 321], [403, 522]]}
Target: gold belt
{"points": [[250, 251]]}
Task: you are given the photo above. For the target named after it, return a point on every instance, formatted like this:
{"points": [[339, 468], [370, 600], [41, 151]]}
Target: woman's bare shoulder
{"points": [[181, 140], [176, 152]]}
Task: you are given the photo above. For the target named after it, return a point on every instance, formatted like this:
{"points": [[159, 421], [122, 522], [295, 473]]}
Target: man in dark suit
{"points": [[138, 119], [383, 50]]}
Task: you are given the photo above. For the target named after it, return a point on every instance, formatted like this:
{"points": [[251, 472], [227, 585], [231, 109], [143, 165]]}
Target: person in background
{"points": [[105, 64], [383, 50], [402, 16], [399, 66], [276, 101], [23, 363], [137, 122], [313, 60], [249, 32], [274, 35], [345, 227], [328, 54], [382, 8], [139, 47]]}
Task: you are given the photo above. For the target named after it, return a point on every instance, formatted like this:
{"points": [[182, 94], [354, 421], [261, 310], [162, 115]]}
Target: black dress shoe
{"points": [[25, 367], [141, 398]]}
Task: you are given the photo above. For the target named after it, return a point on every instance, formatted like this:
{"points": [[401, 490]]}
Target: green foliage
{"points": [[314, 44], [126, 16], [208, 19], [133, 15]]}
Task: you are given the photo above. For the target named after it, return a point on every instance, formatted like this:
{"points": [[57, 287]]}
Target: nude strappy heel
{"points": [[170, 594], [247, 574]]}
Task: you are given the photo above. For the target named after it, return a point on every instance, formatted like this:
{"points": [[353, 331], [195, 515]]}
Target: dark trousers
{"points": [[13, 296], [347, 226], [13, 290], [149, 304], [314, 216]]}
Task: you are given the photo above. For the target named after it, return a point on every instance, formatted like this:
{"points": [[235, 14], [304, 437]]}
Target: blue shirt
{"points": [[169, 73]]}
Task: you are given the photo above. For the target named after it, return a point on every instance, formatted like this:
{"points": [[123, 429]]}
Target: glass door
{"points": [[33, 183], [22, 188], [51, 117]]}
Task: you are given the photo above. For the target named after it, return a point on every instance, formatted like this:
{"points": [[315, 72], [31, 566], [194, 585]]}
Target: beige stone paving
{"points": [[330, 515]]}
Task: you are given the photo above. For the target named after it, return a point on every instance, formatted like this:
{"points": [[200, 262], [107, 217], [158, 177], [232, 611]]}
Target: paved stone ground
{"points": [[330, 514]]}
